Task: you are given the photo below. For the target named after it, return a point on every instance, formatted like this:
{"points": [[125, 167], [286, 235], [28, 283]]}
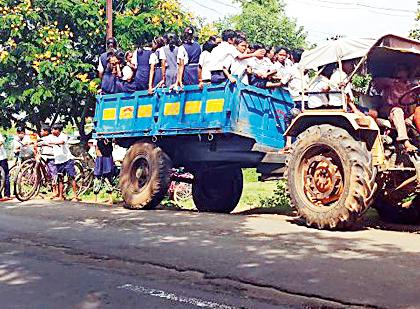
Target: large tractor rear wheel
{"points": [[394, 211], [217, 190], [331, 179], [145, 176]]}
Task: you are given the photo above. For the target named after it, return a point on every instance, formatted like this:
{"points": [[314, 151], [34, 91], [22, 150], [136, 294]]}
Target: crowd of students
{"points": [[172, 62]]}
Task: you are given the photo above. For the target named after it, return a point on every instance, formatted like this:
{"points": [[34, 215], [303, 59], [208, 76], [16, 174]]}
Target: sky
{"points": [[326, 18]]}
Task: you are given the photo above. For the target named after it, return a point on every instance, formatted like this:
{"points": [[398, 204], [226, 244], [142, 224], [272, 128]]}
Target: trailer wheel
{"points": [[331, 180], [395, 212], [217, 191], [145, 176]]}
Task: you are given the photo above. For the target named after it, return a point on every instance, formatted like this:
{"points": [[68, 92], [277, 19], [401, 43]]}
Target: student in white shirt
{"points": [[204, 74], [63, 160], [321, 86], [224, 55], [5, 166], [239, 66], [338, 81], [20, 141], [47, 153]]}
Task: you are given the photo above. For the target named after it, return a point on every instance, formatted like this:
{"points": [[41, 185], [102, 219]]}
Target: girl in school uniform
{"points": [[169, 60], [156, 76], [188, 59], [126, 82], [141, 59]]}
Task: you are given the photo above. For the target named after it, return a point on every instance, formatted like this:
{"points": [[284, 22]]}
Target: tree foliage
{"points": [[266, 22], [415, 33], [49, 49]]}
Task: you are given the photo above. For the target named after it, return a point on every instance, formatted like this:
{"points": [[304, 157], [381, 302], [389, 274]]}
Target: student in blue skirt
{"points": [[141, 61], [104, 169], [105, 69], [156, 76], [169, 60], [188, 59]]}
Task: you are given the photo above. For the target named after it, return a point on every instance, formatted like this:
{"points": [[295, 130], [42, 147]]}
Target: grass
{"points": [[255, 194]]}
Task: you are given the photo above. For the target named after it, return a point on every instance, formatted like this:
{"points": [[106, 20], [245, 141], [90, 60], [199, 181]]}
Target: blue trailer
{"points": [[211, 132]]}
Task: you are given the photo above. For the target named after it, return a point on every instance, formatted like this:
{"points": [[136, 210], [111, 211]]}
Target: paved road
{"points": [[66, 255]]}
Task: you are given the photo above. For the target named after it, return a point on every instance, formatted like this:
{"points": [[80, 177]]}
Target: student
{"points": [[104, 169], [271, 54], [239, 66], [129, 68], [5, 166], [224, 55], [260, 70], [142, 62], [47, 154], [337, 80], [104, 70], [20, 141], [63, 160], [320, 87], [188, 59], [157, 46], [280, 62], [168, 57], [393, 89], [204, 74]]}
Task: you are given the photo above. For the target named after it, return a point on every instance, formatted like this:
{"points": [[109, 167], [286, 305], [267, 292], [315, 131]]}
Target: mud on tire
{"points": [[145, 176], [331, 180]]}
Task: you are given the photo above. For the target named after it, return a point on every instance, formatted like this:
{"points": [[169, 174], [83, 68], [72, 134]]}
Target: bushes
{"points": [[279, 199]]}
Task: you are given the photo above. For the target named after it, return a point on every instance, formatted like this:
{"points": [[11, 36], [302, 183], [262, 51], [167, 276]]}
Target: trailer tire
{"points": [[331, 180], [145, 176], [217, 190], [394, 212]]}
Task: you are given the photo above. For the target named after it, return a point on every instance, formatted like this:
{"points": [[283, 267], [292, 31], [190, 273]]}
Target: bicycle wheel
{"points": [[182, 192], [28, 182], [13, 172]]}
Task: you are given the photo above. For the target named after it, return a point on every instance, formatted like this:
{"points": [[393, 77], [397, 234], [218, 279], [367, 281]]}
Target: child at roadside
{"points": [[5, 166], [20, 142], [104, 169], [47, 154], [224, 55], [188, 58], [63, 160]]}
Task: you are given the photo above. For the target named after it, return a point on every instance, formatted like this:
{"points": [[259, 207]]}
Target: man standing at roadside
{"points": [[5, 166], [63, 160]]}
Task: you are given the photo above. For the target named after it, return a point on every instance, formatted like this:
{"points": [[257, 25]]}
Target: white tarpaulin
{"points": [[332, 51]]}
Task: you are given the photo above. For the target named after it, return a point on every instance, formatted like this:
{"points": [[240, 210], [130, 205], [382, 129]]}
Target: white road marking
{"points": [[171, 296]]}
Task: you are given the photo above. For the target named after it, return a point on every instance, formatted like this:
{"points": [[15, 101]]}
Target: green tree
{"points": [[415, 33], [49, 49], [266, 22]]}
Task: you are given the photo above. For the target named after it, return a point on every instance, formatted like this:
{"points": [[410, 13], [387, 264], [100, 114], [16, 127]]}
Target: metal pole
{"points": [[109, 26]]}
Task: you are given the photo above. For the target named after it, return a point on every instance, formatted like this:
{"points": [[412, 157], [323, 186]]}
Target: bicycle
{"points": [[33, 174], [180, 188], [2, 179]]}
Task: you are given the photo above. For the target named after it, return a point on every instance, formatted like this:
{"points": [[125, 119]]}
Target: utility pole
{"points": [[109, 25]]}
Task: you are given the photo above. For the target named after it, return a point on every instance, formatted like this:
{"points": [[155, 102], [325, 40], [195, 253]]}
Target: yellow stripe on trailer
{"points": [[144, 111], [127, 112], [109, 114], [192, 107], [215, 106], [172, 109]]}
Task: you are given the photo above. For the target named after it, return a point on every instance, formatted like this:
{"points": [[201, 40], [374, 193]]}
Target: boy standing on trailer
{"points": [[188, 58], [223, 56], [63, 160]]}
